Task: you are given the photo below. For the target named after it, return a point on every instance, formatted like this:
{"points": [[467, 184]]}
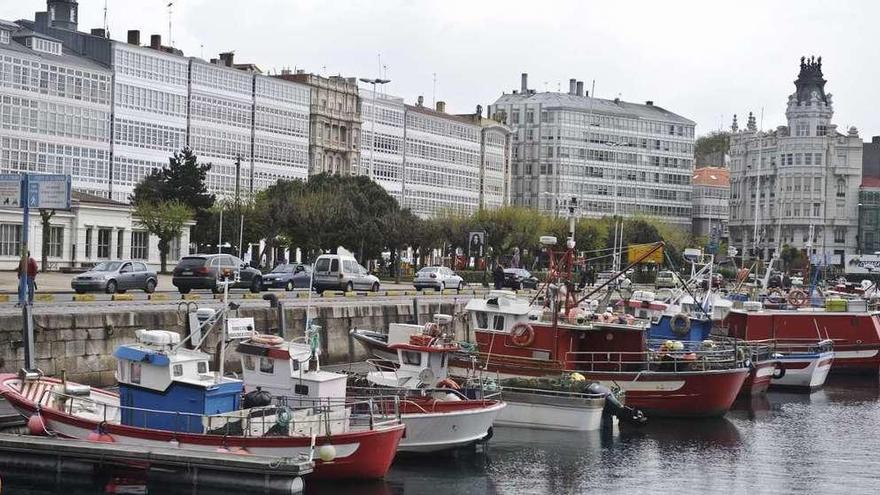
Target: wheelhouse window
{"points": [[267, 365], [248, 362], [202, 367], [412, 357], [301, 389], [498, 322], [177, 370], [135, 372], [482, 320]]}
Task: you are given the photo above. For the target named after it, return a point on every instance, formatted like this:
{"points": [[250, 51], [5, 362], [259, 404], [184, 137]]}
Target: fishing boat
{"points": [[803, 365], [437, 417], [570, 403], [855, 334], [168, 396]]}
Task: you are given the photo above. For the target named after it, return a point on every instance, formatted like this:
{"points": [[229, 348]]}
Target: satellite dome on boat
{"points": [[157, 337]]}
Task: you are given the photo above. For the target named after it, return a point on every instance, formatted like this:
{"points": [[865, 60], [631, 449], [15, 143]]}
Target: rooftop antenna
{"points": [[106, 27], [202, 51], [434, 90], [170, 40]]}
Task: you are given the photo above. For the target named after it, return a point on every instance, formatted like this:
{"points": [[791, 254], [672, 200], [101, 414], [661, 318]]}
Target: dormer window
{"points": [[41, 45], [4, 37]]}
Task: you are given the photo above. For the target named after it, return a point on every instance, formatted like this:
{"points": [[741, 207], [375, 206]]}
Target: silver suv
{"points": [[341, 272]]}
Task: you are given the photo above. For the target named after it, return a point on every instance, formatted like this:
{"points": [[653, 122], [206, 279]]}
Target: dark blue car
{"points": [[288, 276]]}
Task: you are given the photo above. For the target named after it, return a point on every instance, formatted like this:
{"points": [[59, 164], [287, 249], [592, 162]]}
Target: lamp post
{"points": [[859, 241], [374, 82]]}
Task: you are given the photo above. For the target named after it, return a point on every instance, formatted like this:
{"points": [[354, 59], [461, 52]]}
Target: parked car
{"points": [[342, 272], [288, 276], [519, 278], [204, 271], [437, 277], [116, 276], [665, 278]]}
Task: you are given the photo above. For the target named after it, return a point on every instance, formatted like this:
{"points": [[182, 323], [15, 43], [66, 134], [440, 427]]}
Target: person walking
{"points": [[498, 276], [28, 266]]}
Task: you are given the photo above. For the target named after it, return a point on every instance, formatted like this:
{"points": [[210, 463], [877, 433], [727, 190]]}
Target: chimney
{"points": [[580, 88], [285, 72], [156, 41], [134, 37], [875, 140], [572, 86], [99, 32], [215, 61], [524, 86], [479, 111], [650, 103], [441, 106], [617, 101], [420, 102], [226, 58]]}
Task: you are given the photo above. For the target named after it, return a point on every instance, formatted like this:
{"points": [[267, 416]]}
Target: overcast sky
{"points": [[702, 59]]}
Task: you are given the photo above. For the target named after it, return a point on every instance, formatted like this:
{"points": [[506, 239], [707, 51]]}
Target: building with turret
{"points": [[796, 185]]}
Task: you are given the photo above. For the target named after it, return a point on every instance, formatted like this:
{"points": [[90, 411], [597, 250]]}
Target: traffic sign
{"points": [[49, 192], [10, 190]]}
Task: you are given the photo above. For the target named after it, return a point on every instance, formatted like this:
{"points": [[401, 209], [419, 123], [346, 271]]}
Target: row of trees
{"points": [[329, 211]]}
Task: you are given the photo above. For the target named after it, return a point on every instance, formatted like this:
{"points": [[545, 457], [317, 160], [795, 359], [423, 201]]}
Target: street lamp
{"points": [[374, 82], [616, 169], [859, 231]]}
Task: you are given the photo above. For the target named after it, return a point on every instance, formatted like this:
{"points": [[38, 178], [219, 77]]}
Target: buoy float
{"points": [[577, 377], [241, 451], [100, 434], [327, 452], [36, 425]]}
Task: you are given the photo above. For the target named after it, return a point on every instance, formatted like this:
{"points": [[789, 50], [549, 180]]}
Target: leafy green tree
{"points": [[45, 221], [711, 148], [183, 180], [164, 219]]}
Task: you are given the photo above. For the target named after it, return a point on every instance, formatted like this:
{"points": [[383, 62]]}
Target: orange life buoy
{"points": [[448, 383], [522, 335], [267, 339], [797, 298]]}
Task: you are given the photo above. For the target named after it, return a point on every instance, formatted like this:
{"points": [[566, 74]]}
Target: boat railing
{"points": [[316, 415], [413, 396], [656, 360], [551, 392], [382, 364]]}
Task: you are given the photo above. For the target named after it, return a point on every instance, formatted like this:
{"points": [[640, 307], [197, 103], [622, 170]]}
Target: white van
{"points": [[342, 272]]}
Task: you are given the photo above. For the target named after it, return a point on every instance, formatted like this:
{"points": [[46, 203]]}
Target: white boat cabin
{"points": [[500, 311], [154, 363], [283, 371]]}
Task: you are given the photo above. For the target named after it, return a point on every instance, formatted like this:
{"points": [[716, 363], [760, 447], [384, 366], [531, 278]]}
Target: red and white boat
{"points": [[435, 415], [167, 396], [803, 365], [855, 335]]}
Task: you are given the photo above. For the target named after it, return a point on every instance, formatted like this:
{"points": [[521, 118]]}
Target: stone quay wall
{"points": [[82, 344]]}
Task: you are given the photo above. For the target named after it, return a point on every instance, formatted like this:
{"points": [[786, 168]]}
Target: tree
{"points": [[165, 220], [45, 218], [183, 180], [709, 150]]}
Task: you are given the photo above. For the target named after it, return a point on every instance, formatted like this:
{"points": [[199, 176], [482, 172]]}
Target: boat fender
{"points": [[779, 372], [36, 425], [522, 334], [100, 434], [327, 452], [680, 324], [256, 398], [267, 339], [797, 298], [448, 383]]}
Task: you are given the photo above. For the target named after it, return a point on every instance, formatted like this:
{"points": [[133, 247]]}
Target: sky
{"points": [[705, 59]]}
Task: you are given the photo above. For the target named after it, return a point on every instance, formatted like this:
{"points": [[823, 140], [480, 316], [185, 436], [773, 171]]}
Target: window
{"points": [[816, 207], [88, 243], [135, 372], [482, 319], [841, 188], [411, 357], [803, 130], [10, 239], [248, 362], [119, 245], [4, 36], [104, 243], [498, 322], [821, 130], [177, 370], [267, 365], [56, 241], [818, 158], [139, 246], [301, 389], [202, 367], [840, 234]]}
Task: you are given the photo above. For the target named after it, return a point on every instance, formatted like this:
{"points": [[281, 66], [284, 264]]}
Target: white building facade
{"points": [[797, 185], [615, 157], [54, 110], [382, 157]]}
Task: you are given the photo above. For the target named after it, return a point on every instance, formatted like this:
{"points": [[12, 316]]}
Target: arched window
{"points": [[841, 187]]}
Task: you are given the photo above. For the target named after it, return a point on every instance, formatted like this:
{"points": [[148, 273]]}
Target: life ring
{"points": [[797, 298], [680, 324], [432, 329], [522, 335], [261, 338], [448, 383]]}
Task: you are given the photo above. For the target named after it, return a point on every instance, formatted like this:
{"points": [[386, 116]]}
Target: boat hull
{"points": [[759, 378], [358, 455], [805, 372], [448, 429], [546, 412]]}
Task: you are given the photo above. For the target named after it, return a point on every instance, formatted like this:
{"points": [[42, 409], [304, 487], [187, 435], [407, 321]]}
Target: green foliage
{"points": [[182, 180], [714, 142], [165, 220], [792, 258], [45, 221]]}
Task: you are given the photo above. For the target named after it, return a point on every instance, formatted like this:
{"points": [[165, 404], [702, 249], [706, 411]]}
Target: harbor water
{"points": [[824, 442]]}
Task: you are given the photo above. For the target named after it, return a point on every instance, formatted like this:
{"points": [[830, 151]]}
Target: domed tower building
{"points": [[797, 185], [63, 14]]}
